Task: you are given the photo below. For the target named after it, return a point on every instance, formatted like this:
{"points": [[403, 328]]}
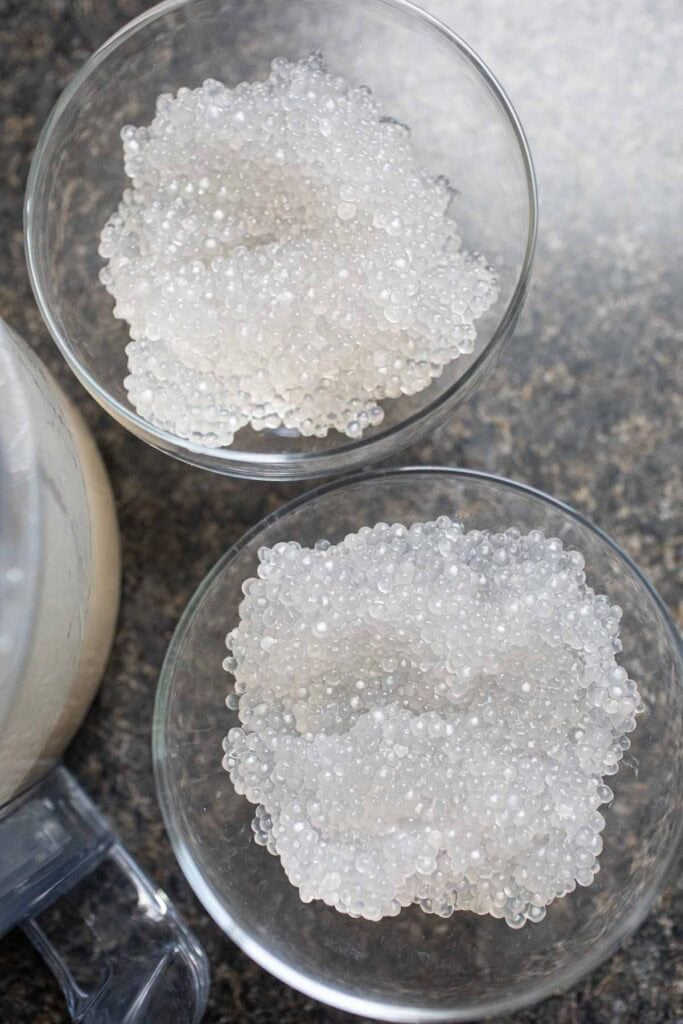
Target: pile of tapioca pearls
{"points": [[427, 716], [283, 260]]}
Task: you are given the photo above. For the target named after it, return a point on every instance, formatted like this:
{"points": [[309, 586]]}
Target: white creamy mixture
{"points": [[78, 585]]}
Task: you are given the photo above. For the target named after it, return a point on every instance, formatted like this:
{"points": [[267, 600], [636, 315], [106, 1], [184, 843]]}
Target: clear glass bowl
{"points": [[416, 967], [463, 126]]}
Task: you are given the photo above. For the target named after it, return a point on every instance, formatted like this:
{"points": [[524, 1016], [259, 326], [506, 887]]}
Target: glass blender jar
{"points": [[118, 948]]}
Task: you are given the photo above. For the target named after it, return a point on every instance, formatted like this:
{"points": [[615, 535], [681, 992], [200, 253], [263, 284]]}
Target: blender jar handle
{"points": [[117, 946]]}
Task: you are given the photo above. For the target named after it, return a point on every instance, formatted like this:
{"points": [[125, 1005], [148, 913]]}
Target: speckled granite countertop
{"points": [[584, 404]]}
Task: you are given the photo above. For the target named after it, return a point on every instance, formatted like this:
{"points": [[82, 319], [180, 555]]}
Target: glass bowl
{"points": [[416, 967], [463, 126]]}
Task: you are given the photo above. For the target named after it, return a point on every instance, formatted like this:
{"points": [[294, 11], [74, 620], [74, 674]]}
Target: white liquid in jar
{"points": [[78, 586]]}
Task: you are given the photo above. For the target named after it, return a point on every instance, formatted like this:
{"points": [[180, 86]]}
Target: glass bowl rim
{"points": [[210, 897], [273, 465]]}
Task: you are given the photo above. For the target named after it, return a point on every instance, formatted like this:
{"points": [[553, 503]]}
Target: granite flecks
{"points": [[585, 403]]}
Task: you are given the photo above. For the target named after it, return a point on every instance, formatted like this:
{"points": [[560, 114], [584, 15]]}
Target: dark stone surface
{"points": [[585, 403]]}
